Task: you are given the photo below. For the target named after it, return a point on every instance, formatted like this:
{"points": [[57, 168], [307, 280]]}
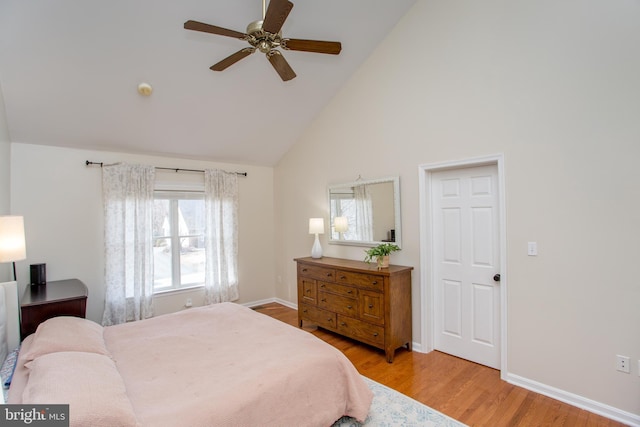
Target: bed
{"points": [[220, 365]]}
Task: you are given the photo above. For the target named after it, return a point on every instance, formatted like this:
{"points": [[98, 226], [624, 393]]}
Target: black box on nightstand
{"points": [[38, 274]]}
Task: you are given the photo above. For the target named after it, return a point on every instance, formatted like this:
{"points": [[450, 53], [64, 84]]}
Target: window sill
{"points": [[175, 291]]}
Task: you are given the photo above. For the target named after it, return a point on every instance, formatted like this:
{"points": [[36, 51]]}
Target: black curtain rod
{"points": [[89, 163]]}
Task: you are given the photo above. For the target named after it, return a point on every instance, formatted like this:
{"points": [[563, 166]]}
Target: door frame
{"points": [[426, 248]]}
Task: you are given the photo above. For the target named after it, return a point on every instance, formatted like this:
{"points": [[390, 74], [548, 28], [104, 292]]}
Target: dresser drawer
{"points": [[348, 291], [307, 290], [337, 303], [369, 281], [360, 330], [323, 318], [372, 307], [317, 272]]}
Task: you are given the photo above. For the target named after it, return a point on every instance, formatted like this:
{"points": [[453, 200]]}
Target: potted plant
{"points": [[381, 254]]}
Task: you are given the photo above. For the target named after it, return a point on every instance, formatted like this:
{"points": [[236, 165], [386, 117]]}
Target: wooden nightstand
{"points": [[57, 298]]}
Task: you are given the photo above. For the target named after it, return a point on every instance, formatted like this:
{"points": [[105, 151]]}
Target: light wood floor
{"points": [[466, 391]]}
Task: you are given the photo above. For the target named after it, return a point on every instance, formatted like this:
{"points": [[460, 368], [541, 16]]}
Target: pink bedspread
{"points": [[226, 365]]}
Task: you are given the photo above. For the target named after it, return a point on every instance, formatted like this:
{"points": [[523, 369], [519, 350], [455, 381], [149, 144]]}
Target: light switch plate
{"points": [[532, 248]]}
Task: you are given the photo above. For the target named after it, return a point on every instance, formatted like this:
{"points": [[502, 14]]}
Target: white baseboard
{"points": [[417, 347], [252, 304], [270, 300], [286, 303], [575, 400]]}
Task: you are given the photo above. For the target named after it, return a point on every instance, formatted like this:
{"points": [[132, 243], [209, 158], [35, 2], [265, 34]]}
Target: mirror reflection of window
{"points": [[364, 213], [355, 205], [343, 205], [371, 209]]}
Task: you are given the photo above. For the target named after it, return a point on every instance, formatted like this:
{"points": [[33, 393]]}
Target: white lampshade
{"points": [[341, 224], [316, 225], [12, 245]]}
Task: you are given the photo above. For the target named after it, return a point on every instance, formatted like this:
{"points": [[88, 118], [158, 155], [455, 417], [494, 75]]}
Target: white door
{"points": [[465, 212]]}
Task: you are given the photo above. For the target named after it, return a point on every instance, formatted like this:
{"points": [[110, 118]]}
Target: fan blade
{"points": [[331, 48], [277, 13], [232, 59], [206, 28], [281, 65]]}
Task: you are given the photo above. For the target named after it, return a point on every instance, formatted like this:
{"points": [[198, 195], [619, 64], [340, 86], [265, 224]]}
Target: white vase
{"points": [[316, 249]]}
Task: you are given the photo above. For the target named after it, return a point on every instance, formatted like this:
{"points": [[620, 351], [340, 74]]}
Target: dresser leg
{"points": [[390, 354]]}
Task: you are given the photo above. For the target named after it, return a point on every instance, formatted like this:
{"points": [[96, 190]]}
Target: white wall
{"points": [[61, 200], [554, 87], [5, 168]]}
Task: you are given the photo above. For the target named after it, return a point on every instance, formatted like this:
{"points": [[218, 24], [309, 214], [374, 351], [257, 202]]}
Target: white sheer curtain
{"points": [[128, 218], [364, 213], [221, 236]]}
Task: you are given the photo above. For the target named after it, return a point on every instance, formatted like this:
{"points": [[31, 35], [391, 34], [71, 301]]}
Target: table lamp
{"points": [[12, 244]]}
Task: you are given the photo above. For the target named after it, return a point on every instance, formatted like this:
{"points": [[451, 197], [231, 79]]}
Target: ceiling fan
{"points": [[265, 36]]}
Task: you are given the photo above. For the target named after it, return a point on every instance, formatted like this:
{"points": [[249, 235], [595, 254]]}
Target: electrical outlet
{"points": [[623, 364], [189, 303]]}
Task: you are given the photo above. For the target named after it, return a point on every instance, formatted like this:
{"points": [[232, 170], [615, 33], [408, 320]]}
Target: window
{"points": [[178, 240]]}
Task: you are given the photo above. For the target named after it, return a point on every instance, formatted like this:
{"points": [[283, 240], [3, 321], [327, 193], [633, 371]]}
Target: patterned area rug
{"points": [[393, 409]]}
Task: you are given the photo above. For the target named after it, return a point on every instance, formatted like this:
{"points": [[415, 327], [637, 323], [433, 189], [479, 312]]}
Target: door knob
{"points": [[496, 278]]}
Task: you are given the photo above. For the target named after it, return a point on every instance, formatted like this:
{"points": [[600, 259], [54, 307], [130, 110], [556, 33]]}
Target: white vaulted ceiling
{"points": [[69, 71]]}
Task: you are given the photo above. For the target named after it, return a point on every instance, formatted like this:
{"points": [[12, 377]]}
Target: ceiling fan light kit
{"points": [[265, 36]]}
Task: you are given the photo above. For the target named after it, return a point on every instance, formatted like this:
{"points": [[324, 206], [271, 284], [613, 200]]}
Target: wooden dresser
{"points": [[357, 300]]}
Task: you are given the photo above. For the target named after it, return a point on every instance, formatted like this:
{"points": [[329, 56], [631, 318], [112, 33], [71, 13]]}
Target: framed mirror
{"points": [[365, 212]]}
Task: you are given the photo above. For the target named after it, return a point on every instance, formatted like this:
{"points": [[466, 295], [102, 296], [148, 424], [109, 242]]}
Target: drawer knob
{"points": [[375, 282], [350, 291], [329, 319], [349, 307], [375, 334], [308, 291], [304, 270], [328, 274], [322, 286], [343, 277], [305, 310], [343, 324], [323, 300], [370, 305]]}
